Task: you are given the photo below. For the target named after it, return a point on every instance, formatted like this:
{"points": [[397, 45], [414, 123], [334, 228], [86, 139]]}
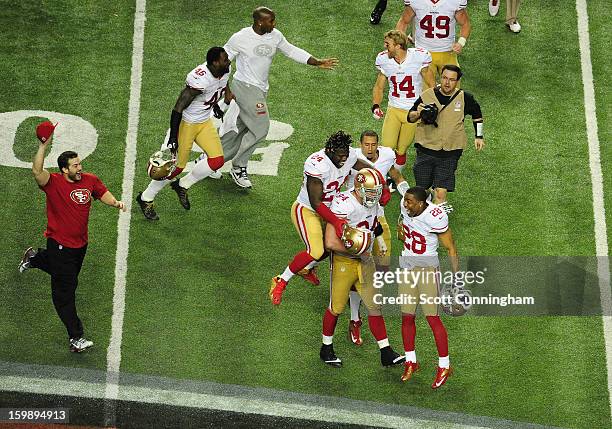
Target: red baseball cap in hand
{"points": [[44, 131]]}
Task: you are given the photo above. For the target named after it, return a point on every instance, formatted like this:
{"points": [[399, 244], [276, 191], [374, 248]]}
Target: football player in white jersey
{"points": [[383, 159], [191, 122], [352, 266], [407, 70], [421, 227], [324, 173], [435, 23]]}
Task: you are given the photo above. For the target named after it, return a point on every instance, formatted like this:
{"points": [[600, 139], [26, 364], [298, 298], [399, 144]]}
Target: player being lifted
{"points": [[407, 70], [324, 173], [191, 121], [383, 159], [422, 225], [435, 24], [352, 264]]}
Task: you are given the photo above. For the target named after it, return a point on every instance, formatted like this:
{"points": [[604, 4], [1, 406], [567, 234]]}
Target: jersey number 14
{"points": [[405, 86]]}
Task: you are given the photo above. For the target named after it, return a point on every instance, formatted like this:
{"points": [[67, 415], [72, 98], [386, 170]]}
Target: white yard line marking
{"points": [[238, 399], [113, 356], [599, 211]]}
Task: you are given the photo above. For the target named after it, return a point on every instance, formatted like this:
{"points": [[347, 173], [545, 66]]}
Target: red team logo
{"points": [[80, 196], [260, 108]]}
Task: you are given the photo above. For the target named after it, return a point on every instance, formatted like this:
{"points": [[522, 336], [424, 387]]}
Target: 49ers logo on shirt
{"points": [[263, 50], [81, 196]]}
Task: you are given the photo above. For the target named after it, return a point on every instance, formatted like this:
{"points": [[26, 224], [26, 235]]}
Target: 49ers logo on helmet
{"points": [[80, 196]]}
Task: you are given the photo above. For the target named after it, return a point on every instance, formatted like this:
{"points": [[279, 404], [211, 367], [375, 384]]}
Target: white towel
{"points": [[229, 119]]}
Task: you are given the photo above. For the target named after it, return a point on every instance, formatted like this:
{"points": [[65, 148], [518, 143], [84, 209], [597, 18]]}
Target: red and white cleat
{"points": [[441, 377], [310, 276], [409, 369], [277, 288], [354, 332]]}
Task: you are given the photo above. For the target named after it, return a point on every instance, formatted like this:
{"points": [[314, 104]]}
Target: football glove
{"points": [[217, 112], [448, 209], [377, 112], [385, 197], [429, 114], [340, 226], [173, 145], [382, 246]]}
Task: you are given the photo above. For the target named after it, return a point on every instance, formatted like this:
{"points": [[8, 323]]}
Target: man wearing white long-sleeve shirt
{"points": [[253, 48]]}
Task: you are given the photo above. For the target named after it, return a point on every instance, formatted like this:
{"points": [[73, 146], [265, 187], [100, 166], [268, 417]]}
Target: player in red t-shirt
{"points": [[69, 196]]}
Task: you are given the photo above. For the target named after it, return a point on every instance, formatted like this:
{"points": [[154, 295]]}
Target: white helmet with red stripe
{"points": [[369, 186], [356, 240]]}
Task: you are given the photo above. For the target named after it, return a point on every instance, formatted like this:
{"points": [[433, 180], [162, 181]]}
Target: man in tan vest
{"points": [[439, 145]]}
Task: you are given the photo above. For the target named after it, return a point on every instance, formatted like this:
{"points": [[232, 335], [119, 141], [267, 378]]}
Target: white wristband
{"points": [[462, 41], [479, 130], [223, 105], [402, 188]]}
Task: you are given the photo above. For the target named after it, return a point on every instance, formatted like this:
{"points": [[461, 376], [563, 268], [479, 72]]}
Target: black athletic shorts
{"points": [[435, 172]]}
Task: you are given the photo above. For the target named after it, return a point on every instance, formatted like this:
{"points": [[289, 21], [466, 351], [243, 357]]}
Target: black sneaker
{"points": [[329, 357], [182, 194], [25, 261], [147, 208], [388, 357], [378, 11]]}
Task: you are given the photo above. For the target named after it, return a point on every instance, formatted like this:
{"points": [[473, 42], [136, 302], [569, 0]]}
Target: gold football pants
{"points": [[203, 134], [310, 226], [423, 287], [347, 272], [397, 132]]}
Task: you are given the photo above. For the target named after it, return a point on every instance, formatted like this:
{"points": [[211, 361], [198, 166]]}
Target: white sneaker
{"points": [[77, 345], [493, 7], [240, 176], [515, 27], [25, 261]]}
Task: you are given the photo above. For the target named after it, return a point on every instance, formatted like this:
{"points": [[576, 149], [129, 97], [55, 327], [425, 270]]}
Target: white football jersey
{"points": [[405, 80], [346, 206], [421, 235], [320, 166], [386, 159], [435, 23], [212, 88]]}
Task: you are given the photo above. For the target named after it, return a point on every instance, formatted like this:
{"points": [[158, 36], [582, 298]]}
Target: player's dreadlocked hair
{"points": [[339, 140]]}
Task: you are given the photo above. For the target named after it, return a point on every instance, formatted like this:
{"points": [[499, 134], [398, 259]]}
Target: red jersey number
{"points": [[442, 23], [363, 224], [414, 241], [405, 86], [436, 212], [330, 190]]}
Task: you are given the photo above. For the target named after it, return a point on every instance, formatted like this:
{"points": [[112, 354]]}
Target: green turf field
{"points": [[196, 295]]}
